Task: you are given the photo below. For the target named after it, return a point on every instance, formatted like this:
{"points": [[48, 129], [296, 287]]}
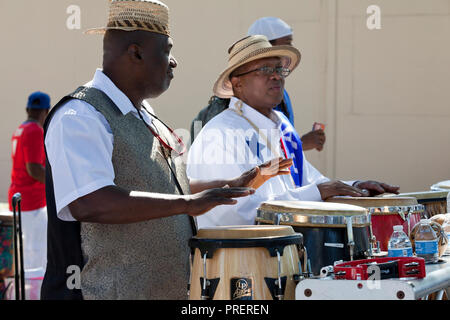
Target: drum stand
{"points": [[19, 276]]}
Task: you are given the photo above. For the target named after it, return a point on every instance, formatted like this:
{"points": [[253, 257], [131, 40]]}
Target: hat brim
{"points": [[104, 29], [290, 56]]}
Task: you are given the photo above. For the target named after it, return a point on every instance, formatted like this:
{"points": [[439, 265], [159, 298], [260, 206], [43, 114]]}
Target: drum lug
{"points": [[277, 219], [275, 289], [402, 214], [351, 247], [351, 243], [297, 278], [209, 290]]}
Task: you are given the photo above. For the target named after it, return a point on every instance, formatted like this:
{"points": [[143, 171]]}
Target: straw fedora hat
{"points": [[133, 15], [250, 49]]}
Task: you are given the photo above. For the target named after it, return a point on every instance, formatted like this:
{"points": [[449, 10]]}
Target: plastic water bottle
{"points": [[426, 242], [399, 244], [446, 227]]}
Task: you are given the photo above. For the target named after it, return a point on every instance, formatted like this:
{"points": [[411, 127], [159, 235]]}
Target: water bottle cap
{"points": [[398, 228]]}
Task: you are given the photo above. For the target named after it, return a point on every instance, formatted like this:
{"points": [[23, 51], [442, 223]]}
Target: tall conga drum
{"points": [[331, 231], [245, 263], [385, 213], [434, 202]]}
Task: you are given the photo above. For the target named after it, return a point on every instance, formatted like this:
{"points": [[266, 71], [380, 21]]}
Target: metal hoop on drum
{"points": [[302, 252]]}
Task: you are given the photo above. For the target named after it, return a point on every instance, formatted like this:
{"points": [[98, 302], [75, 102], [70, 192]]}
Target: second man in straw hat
{"points": [[250, 132]]}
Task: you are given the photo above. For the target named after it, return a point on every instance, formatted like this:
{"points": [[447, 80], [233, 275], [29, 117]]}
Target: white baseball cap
{"points": [[271, 27]]}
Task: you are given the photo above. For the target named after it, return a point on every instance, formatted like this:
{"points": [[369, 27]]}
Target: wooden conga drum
{"points": [[387, 212], [331, 232], [245, 263], [435, 202]]}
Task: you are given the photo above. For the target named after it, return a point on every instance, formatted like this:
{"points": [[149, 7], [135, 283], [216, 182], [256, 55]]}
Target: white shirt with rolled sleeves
{"points": [[79, 145], [224, 150]]}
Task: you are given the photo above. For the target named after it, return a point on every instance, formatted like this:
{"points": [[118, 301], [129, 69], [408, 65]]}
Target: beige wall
{"points": [[384, 94]]}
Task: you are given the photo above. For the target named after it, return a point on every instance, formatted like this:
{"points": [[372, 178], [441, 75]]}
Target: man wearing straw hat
{"points": [[249, 132], [117, 193], [278, 33]]}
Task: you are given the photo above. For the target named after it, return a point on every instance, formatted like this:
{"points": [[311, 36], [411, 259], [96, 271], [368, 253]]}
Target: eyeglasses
{"points": [[268, 71]]}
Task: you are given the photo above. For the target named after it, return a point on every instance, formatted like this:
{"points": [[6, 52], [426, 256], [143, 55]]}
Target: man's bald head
{"points": [[139, 60], [117, 42]]}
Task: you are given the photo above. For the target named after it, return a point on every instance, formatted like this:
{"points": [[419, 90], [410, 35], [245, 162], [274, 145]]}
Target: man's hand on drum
{"points": [[314, 140], [375, 188], [338, 188], [200, 203], [256, 177]]}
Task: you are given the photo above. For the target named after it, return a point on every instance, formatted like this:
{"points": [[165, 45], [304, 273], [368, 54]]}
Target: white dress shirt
{"points": [[221, 151], [79, 144]]}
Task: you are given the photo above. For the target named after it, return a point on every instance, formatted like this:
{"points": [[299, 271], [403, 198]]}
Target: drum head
{"points": [[244, 232], [311, 213], [370, 202], [441, 186], [273, 238], [312, 208], [422, 195]]}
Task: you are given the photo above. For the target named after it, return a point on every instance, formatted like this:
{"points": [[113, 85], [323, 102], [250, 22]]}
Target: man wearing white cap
{"points": [[278, 33], [250, 132]]}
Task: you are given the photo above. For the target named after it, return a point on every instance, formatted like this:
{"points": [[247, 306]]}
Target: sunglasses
{"points": [[268, 71]]}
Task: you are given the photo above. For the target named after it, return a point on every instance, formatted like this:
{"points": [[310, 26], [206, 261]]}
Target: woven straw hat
{"points": [[250, 49], [133, 15]]}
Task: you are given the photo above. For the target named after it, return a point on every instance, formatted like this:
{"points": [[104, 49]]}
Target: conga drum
{"points": [[435, 202], [245, 263], [441, 186], [6, 245], [385, 213], [331, 231]]}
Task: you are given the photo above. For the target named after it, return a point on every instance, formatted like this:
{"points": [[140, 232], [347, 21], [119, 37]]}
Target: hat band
{"points": [[142, 25], [255, 53], [242, 48]]}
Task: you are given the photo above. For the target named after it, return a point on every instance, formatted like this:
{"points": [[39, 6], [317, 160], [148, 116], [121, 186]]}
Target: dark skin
{"points": [[141, 66], [36, 170], [264, 93], [314, 139]]}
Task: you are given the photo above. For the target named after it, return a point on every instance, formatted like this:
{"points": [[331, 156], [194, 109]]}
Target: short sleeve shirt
{"points": [[27, 147]]}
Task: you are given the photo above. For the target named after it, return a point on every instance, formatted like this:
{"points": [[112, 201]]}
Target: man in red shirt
{"points": [[28, 178]]}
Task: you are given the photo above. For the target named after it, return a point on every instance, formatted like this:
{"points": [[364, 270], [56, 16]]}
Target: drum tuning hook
{"points": [[208, 286]]}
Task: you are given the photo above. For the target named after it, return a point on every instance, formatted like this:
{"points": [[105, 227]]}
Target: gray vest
{"points": [[148, 260]]}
